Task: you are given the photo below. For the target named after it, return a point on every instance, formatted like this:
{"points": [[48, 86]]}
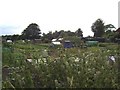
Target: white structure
{"points": [[56, 43], [53, 40], [60, 39], [9, 41]]}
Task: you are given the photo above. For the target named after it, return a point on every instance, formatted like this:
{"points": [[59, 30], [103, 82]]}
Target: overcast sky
{"points": [[51, 15]]}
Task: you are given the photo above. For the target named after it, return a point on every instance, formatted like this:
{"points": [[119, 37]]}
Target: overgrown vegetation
{"points": [[59, 67]]}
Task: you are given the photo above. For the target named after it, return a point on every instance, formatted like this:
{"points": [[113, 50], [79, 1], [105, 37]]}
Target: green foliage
{"points": [[62, 68], [99, 28], [79, 32], [31, 32]]}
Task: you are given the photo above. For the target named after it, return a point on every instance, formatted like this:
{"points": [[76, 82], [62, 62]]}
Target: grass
{"points": [[60, 68]]}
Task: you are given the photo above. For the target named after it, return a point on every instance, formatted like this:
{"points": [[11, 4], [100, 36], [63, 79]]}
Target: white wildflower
{"points": [[89, 69], [13, 79], [39, 60], [86, 62], [45, 50], [78, 72], [108, 50], [77, 60], [44, 60], [87, 56], [36, 61]]}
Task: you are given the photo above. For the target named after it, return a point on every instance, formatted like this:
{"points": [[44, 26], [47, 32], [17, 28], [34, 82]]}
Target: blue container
{"points": [[68, 44]]}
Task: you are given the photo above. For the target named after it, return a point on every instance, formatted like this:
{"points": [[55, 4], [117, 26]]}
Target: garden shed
{"points": [[67, 44], [91, 43]]}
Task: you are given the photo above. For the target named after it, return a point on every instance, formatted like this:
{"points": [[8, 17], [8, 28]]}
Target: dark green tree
{"points": [[56, 34], [66, 33], [50, 35], [62, 34], [31, 32], [46, 38], [79, 32], [15, 37], [99, 28], [69, 33], [109, 27]]}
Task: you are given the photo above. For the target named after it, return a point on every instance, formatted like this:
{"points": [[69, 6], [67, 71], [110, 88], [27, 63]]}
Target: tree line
{"points": [[33, 32]]}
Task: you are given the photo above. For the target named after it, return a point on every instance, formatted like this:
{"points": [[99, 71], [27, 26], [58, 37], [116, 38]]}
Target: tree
{"points": [[99, 28], [32, 32], [109, 33], [50, 35], [46, 38], [15, 37], [62, 34], [69, 33], [79, 32], [109, 27], [56, 34]]}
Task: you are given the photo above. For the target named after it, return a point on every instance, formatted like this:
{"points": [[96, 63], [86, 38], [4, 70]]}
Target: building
{"points": [[67, 44], [91, 43], [118, 30], [56, 43]]}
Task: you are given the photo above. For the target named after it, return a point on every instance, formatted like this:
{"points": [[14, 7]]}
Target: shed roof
{"points": [[67, 41], [56, 43], [54, 40]]}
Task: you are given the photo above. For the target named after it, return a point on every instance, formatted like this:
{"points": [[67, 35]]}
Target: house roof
{"points": [[118, 30]]}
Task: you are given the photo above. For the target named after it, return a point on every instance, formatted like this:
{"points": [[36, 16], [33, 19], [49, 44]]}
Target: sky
{"points": [[51, 15]]}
